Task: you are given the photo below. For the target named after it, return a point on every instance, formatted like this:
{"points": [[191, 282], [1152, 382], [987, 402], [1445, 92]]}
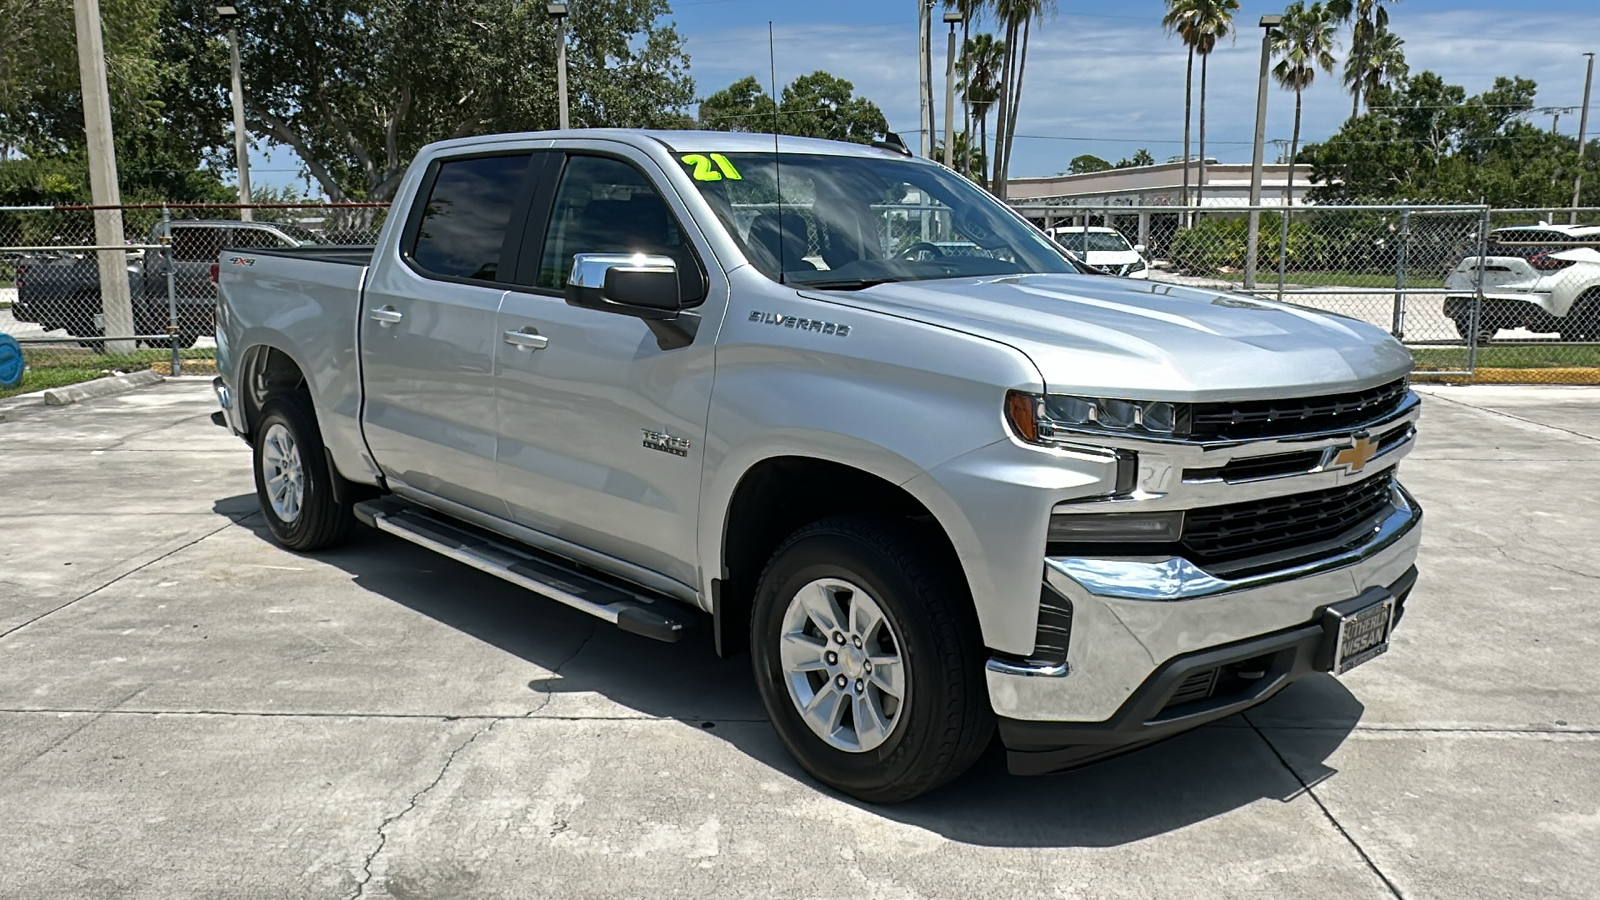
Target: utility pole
{"points": [[116, 304], [230, 14], [925, 73], [1583, 136], [558, 11], [1254, 241], [950, 18]]}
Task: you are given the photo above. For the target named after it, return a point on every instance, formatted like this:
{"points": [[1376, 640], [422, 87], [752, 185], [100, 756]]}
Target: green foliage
{"points": [[1427, 140], [818, 105], [1141, 157], [1082, 165]]}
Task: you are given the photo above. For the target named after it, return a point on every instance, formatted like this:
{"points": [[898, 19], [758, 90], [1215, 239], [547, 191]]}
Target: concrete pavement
{"points": [[188, 711]]}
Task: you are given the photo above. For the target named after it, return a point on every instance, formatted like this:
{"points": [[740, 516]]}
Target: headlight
{"points": [[1138, 265], [1052, 418]]}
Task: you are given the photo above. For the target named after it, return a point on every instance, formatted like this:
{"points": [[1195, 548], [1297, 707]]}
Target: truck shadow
{"points": [[1148, 792]]}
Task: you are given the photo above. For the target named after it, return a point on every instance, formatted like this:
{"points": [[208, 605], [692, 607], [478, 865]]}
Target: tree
{"points": [[1369, 19], [1017, 17], [1083, 165], [981, 59], [1379, 62], [1141, 157], [964, 155], [1304, 43], [1200, 24], [741, 106], [818, 105], [356, 87]]}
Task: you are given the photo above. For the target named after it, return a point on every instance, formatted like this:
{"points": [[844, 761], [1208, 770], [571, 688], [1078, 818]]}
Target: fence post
{"points": [[1283, 247], [171, 265], [1401, 255], [1477, 291]]}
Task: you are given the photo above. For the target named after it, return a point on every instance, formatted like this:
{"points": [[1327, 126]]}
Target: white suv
{"points": [[1103, 248], [1540, 277]]}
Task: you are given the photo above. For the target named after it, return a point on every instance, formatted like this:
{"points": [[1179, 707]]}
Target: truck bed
{"points": [[343, 254]]}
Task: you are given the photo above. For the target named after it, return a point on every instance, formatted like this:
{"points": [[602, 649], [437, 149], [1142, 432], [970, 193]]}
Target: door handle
{"points": [[387, 315], [527, 340]]}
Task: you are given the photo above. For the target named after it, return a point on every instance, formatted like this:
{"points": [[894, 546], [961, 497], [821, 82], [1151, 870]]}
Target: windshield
{"points": [[1092, 242], [850, 222]]}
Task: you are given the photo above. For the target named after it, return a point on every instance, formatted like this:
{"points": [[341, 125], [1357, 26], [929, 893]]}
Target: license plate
{"points": [[1363, 635]]}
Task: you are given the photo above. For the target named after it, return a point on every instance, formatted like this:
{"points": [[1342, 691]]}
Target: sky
{"points": [[1103, 78]]}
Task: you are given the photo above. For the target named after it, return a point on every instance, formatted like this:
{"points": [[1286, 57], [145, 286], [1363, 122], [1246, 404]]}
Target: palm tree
{"points": [[981, 59], [1303, 44], [1368, 19], [1214, 23], [1017, 16], [1380, 63]]}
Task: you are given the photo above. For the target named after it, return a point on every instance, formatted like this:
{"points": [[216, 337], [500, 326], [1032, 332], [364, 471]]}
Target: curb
{"points": [[1486, 375], [100, 387]]}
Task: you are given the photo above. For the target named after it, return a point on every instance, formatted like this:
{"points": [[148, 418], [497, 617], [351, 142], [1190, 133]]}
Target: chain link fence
{"points": [[1504, 295], [53, 273]]}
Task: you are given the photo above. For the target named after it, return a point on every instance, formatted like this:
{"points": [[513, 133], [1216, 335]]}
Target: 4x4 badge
{"points": [[1356, 456]]}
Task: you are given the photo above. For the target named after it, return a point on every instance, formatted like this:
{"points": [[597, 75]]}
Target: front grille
{"points": [[1221, 534], [1254, 419]]}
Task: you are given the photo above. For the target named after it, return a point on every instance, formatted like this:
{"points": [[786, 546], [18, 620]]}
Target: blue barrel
{"points": [[10, 362]]}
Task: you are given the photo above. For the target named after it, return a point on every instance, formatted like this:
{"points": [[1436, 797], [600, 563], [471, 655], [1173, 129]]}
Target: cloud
{"points": [[1109, 85]]}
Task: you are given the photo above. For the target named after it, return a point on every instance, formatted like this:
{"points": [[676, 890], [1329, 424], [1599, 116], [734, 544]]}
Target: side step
{"points": [[623, 605]]}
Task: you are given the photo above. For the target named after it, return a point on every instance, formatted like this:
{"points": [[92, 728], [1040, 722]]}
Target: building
{"points": [[1135, 200]]}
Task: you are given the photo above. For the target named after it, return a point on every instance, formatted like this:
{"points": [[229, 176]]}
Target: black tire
{"points": [[1486, 331], [945, 721], [1583, 319], [321, 520]]}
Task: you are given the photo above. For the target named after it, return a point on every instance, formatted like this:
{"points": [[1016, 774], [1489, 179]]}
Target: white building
{"points": [[1141, 194]]}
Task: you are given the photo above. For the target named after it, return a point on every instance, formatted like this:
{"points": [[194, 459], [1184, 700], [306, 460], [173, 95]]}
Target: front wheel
{"points": [[293, 480], [868, 658]]}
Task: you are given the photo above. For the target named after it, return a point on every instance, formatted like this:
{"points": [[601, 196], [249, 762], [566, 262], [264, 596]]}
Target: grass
{"points": [[54, 366], [1267, 279], [1511, 356]]}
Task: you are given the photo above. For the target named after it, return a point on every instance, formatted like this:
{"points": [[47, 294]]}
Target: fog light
{"points": [[1109, 528]]}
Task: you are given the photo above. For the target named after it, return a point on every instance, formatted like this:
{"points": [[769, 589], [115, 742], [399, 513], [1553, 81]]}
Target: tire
{"points": [[1583, 319], [290, 465], [941, 720], [1486, 332]]}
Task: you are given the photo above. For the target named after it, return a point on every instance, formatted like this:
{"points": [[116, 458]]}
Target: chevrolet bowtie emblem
{"points": [[1356, 456]]}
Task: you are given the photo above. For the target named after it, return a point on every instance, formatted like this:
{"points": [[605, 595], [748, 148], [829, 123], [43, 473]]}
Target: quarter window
{"points": [[463, 225]]}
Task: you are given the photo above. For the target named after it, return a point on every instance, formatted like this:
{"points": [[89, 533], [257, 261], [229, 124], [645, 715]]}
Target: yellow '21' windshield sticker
{"points": [[711, 168]]}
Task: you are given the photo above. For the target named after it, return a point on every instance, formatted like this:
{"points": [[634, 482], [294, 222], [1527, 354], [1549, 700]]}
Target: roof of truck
{"points": [[691, 141], [1577, 231]]}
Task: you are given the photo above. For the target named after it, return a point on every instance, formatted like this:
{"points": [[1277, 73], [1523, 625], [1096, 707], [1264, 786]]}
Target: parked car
{"points": [[1104, 248], [63, 291], [1540, 277], [933, 494]]}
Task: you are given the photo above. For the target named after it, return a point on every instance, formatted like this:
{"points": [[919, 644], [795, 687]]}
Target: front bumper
{"points": [[1134, 624]]}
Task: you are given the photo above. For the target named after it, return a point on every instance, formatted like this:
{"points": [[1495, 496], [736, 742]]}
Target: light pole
{"points": [[1268, 23], [558, 11], [229, 14], [952, 19], [1583, 135], [116, 303], [925, 74]]}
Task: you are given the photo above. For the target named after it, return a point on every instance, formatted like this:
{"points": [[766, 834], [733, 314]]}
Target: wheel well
{"points": [[776, 498], [266, 371]]}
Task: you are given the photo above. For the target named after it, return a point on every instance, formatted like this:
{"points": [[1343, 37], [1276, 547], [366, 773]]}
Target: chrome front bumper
{"points": [[1130, 617]]}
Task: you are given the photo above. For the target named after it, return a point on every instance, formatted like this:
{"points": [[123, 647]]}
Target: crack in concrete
{"points": [[1547, 565], [383, 833], [1495, 412], [144, 565], [594, 629], [1372, 866]]}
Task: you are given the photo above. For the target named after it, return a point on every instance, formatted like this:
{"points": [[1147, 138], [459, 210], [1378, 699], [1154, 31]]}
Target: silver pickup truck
{"points": [[858, 418]]}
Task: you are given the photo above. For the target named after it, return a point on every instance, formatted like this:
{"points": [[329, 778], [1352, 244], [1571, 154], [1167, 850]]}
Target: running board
{"points": [[623, 605]]}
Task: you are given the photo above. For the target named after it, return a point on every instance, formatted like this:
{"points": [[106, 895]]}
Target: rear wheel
{"points": [[867, 656], [1583, 320], [294, 483], [1486, 329]]}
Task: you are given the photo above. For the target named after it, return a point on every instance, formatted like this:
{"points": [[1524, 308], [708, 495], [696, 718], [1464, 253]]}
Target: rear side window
{"points": [[245, 238], [463, 226], [200, 243]]}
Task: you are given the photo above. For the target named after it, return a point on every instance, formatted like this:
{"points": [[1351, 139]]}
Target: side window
{"points": [[196, 244], [464, 220], [246, 238], [604, 205]]}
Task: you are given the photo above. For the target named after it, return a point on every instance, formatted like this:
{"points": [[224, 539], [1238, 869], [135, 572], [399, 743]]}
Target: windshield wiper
{"points": [[845, 284]]}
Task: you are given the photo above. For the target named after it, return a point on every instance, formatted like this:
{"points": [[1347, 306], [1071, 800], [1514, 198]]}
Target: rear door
{"points": [[428, 330], [602, 430]]}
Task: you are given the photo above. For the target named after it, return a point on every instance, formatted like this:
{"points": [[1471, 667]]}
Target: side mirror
{"points": [[1139, 249], [632, 284]]}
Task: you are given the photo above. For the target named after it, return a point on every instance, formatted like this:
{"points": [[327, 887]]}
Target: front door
{"points": [[428, 335], [602, 431]]}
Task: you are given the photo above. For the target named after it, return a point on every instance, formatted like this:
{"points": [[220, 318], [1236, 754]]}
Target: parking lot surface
{"points": [[188, 711]]}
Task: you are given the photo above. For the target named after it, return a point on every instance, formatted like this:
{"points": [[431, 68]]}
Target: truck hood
{"points": [[1117, 337]]}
